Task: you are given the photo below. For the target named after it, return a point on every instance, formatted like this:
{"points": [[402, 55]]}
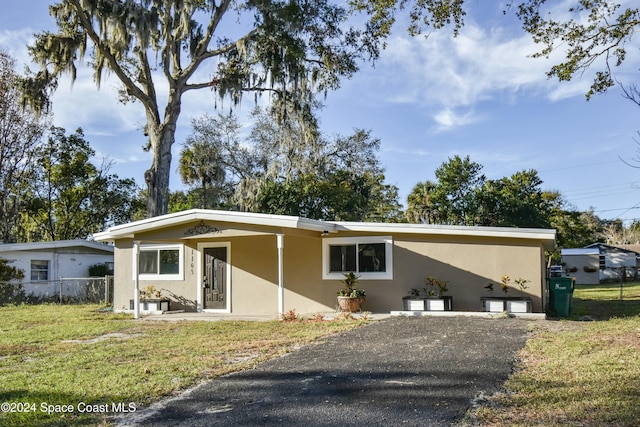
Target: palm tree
{"points": [[420, 206]]}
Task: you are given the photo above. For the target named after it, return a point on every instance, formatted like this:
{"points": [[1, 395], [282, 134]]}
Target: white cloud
{"points": [[14, 42], [449, 118], [450, 73], [98, 112]]}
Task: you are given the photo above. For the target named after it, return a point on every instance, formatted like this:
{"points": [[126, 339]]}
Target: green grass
{"points": [[607, 301], [578, 373], [570, 372], [49, 355]]}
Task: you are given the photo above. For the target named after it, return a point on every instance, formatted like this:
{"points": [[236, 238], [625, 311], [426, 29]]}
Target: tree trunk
{"points": [[161, 136], [157, 176]]}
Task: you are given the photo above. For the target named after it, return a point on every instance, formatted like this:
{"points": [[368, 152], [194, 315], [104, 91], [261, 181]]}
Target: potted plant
{"points": [[433, 299], [436, 300], [152, 300], [413, 301], [520, 304], [350, 299], [506, 303], [491, 303]]}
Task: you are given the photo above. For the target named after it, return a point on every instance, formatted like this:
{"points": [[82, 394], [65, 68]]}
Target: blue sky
{"points": [[427, 99]]}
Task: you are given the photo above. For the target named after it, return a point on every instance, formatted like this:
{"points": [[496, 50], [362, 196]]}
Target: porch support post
{"points": [[136, 273], [280, 242]]}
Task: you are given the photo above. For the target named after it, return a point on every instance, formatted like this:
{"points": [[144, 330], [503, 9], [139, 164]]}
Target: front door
{"points": [[215, 278]]}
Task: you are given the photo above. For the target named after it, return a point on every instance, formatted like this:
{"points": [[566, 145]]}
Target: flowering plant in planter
{"points": [[350, 280], [349, 298], [435, 287], [510, 304], [505, 284], [150, 292], [433, 299], [152, 300]]}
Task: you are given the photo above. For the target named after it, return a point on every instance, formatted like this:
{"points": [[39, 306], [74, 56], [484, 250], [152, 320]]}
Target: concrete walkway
{"points": [[211, 317]]}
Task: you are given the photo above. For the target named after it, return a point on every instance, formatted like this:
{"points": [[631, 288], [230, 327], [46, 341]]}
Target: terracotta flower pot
{"points": [[350, 304]]}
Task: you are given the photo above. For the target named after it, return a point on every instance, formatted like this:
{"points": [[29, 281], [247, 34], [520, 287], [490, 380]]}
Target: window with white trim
{"points": [[161, 262], [369, 257]]}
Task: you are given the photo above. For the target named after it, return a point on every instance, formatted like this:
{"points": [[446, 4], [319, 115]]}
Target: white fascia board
{"points": [[56, 244], [545, 235], [129, 230], [579, 251]]}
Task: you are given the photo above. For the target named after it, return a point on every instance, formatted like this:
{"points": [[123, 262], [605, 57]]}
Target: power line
{"points": [[579, 166], [582, 191], [595, 196], [618, 209]]}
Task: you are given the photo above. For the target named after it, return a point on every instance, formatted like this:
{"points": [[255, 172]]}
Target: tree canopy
{"points": [[462, 195], [213, 160], [21, 131], [586, 30], [286, 168], [289, 49], [71, 198]]}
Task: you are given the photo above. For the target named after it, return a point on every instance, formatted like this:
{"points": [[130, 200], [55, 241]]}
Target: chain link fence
{"points": [[619, 274], [67, 290]]}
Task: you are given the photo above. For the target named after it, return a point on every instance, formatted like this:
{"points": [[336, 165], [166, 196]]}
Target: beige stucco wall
{"points": [[468, 263], [182, 293]]}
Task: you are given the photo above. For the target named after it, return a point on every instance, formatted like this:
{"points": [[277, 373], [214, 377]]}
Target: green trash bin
{"points": [[561, 295]]}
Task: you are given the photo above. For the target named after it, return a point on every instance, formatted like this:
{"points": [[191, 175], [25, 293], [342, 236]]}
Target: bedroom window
{"points": [[369, 257], [161, 262]]}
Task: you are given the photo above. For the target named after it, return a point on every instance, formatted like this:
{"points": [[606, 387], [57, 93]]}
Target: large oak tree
{"points": [[290, 49]]}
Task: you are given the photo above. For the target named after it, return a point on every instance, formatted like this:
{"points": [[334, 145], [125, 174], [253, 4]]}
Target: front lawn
{"points": [[577, 373], [63, 365]]}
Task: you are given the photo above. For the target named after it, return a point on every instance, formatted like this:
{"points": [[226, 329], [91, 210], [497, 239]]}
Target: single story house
{"points": [[252, 263], [45, 263], [599, 262], [615, 259]]}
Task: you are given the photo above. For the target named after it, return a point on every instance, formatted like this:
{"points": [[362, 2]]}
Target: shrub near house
{"points": [[10, 291]]}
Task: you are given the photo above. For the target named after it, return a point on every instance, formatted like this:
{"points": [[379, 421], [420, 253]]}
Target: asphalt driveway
{"points": [[409, 371]]}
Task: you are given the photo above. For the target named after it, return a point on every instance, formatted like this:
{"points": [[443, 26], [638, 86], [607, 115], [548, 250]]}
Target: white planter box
{"points": [[414, 304], [494, 306], [435, 304], [510, 304], [155, 306], [152, 306], [518, 306]]}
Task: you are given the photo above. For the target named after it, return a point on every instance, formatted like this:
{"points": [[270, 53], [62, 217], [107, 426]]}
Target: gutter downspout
{"points": [[136, 273], [280, 244]]}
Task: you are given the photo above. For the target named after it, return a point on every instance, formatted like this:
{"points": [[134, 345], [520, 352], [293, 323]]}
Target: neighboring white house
{"points": [[613, 258], [45, 263], [599, 262]]}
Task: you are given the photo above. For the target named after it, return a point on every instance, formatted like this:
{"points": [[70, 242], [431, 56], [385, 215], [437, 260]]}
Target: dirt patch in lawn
{"points": [[112, 336]]}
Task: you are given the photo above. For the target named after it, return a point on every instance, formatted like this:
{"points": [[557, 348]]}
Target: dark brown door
{"points": [[215, 278]]}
